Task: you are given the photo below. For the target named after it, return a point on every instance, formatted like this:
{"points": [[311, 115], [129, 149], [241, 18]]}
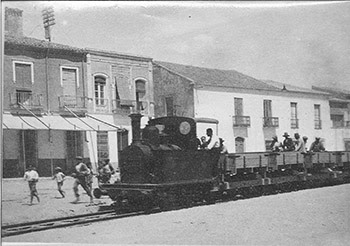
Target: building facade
{"points": [[250, 112], [117, 85], [339, 104], [45, 104]]}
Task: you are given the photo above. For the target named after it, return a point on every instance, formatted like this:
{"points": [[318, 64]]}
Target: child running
{"points": [[60, 177], [32, 176]]}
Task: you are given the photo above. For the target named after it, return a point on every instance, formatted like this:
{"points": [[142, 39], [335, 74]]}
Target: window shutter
{"points": [[23, 75], [121, 76]]}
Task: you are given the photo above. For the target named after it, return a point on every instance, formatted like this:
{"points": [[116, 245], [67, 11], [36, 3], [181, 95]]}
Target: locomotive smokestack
{"points": [[136, 127]]}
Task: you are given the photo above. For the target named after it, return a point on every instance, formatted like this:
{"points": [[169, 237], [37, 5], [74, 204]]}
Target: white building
{"points": [[250, 111]]}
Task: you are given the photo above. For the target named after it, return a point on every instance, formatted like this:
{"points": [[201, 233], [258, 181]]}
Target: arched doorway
{"points": [[239, 142]]}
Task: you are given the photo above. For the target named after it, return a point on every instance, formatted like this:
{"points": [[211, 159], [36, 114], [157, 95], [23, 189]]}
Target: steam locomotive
{"points": [[165, 168]]}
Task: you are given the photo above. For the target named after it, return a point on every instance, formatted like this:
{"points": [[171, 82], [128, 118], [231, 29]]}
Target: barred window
{"points": [[102, 145]]}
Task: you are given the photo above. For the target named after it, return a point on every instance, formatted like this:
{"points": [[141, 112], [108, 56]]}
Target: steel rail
{"points": [[22, 228]]}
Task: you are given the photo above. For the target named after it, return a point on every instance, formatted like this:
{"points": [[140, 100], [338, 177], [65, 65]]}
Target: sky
{"points": [[297, 43]]}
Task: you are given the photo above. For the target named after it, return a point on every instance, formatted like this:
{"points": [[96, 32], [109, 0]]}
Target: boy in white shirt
{"points": [[60, 177], [32, 176]]}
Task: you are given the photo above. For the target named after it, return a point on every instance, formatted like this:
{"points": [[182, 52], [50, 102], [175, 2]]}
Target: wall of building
{"points": [[168, 84], [37, 57], [220, 105]]}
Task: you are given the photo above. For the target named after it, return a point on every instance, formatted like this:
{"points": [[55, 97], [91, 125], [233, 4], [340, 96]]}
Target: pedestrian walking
{"points": [[60, 177], [80, 176], [32, 176]]}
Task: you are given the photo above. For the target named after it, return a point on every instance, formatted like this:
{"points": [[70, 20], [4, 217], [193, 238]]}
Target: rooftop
{"points": [[216, 77], [41, 44]]}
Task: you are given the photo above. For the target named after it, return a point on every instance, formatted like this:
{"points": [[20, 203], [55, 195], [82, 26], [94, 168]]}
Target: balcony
{"points": [[318, 124], [126, 107], [102, 105], [241, 121], [75, 104], [28, 99], [294, 123], [341, 124], [270, 122]]}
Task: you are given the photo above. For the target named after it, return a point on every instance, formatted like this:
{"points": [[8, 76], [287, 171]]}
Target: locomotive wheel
{"points": [[97, 193]]}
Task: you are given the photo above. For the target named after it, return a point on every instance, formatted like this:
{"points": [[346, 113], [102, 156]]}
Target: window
{"points": [[140, 93], [269, 121], [294, 115], [69, 82], [169, 106], [23, 74], [338, 120], [140, 89], [239, 142], [122, 140], [102, 145], [267, 108], [100, 85], [317, 109], [23, 97], [238, 106]]}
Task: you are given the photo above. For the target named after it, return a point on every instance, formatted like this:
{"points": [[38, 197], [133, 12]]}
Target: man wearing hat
{"points": [[288, 144], [317, 145], [275, 145], [80, 175]]}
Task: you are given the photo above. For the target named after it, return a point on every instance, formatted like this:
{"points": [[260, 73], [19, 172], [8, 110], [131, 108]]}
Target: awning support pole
{"points": [[36, 117], [102, 121], [76, 116]]}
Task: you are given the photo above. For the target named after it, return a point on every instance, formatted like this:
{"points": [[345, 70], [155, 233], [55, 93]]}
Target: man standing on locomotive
{"points": [[213, 141], [81, 174]]}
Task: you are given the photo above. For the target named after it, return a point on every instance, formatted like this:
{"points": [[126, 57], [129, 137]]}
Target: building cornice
{"points": [[117, 55], [286, 93]]}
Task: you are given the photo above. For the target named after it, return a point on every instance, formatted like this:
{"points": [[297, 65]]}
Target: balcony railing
{"points": [[125, 107], [241, 121], [102, 105], [73, 103], [270, 122], [318, 124], [27, 99], [341, 124], [294, 123]]}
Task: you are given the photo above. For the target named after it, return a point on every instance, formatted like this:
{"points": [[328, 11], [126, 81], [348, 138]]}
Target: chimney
{"points": [[13, 22]]}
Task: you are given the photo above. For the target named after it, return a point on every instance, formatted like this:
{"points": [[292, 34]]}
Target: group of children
{"points": [[105, 172]]}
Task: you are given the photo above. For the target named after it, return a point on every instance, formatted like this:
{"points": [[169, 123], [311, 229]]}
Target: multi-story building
{"points": [[339, 104], [61, 101], [250, 112], [117, 85]]}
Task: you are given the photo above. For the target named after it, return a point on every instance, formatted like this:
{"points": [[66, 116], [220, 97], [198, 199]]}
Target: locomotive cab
{"points": [[168, 152]]}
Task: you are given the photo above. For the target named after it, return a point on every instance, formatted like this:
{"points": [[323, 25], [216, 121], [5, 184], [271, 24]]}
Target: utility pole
{"points": [[48, 20]]}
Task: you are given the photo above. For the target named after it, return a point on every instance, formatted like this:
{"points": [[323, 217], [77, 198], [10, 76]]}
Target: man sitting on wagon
{"points": [[288, 144], [317, 146]]}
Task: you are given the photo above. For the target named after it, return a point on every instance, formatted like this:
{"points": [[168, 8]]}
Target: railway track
{"points": [[28, 227], [22, 228]]}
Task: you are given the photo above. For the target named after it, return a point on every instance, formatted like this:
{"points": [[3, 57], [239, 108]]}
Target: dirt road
{"points": [[309, 217]]}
